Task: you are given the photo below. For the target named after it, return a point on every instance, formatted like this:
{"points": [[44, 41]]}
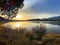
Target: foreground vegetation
{"points": [[24, 37]]}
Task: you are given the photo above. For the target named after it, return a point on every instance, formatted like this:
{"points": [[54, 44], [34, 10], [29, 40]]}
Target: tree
{"points": [[10, 7]]}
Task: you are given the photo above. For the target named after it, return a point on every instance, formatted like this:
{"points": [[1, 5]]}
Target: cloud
{"points": [[42, 8], [29, 3], [47, 15], [50, 6]]}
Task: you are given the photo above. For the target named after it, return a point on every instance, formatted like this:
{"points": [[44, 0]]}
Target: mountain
{"points": [[57, 18], [46, 19], [52, 19]]}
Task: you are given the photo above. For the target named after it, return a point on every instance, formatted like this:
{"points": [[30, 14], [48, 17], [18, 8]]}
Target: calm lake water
{"points": [[51, 27]]}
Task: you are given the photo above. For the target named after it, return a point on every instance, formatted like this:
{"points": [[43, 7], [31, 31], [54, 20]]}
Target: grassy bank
{"points": [[24, 37]]}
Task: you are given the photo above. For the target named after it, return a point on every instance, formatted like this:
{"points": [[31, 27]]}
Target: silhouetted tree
{"points": [[10, 10]]}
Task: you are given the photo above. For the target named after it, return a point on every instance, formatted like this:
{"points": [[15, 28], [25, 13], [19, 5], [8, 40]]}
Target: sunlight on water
{"points": [[14, 25], [18, 25], [29, 25]]}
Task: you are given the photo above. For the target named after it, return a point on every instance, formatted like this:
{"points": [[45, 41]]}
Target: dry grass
{"points": [[24, 37]]}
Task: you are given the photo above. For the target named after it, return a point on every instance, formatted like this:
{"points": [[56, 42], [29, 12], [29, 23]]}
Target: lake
{"points": [[50, 26]]}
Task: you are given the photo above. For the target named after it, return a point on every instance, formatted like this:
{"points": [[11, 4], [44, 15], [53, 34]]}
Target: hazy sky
{"points": [[42, 8]]}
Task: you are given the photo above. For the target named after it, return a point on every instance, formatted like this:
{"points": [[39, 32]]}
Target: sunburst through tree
{"points": [[10, 8]]}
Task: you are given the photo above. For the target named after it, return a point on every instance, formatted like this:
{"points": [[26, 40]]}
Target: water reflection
{"points": [[14, 25], [20, 35], [51, 27], [15, 33]]}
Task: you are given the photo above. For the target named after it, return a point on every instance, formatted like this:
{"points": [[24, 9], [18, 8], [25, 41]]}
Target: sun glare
{"points": [[22, 16], [17, 25], [18, 16]]}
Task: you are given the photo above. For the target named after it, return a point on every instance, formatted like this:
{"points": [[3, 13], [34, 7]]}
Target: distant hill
{"points": [[34, 20], [46, 19], [52, 19]]}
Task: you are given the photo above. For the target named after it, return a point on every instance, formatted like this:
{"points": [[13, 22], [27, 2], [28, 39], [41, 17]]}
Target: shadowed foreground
{"points": [[24, 37]]}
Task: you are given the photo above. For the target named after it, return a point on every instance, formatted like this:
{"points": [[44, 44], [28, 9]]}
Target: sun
{"points": [[21, 16], [18, 16]]}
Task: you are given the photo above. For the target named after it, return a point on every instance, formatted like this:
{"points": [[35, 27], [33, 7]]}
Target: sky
{"points": [[41, 8]]}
